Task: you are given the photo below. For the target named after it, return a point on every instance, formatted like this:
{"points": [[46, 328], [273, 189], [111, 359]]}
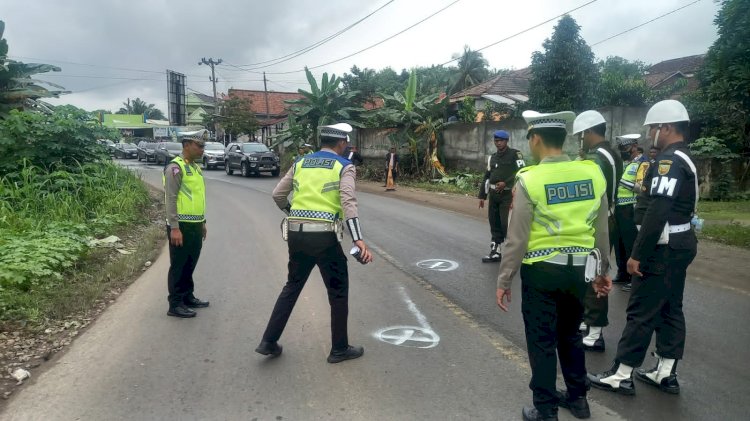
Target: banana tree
{"points": [[324, 104], [17, 88]]}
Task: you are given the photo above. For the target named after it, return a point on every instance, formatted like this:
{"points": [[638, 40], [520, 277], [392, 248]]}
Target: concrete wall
{"points": [[467, 145]]}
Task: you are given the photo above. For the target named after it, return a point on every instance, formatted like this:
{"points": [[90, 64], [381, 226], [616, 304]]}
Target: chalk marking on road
{"points": [[441, 265], [421, 336]]}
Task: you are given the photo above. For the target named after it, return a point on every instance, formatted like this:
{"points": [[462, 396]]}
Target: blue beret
{"points": [[502, 134]]}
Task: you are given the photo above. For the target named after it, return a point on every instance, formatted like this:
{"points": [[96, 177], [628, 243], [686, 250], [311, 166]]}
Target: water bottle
{"points": [[697, 223]]}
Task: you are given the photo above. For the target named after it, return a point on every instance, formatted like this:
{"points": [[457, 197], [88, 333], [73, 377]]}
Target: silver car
{"points": [[213, 155]]}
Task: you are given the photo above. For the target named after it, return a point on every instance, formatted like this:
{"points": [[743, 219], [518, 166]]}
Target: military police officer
{"points": [[497, 186], [323, 185], [663, 250], [624, 223], [592, 127], [185, 202], [559, 216]]}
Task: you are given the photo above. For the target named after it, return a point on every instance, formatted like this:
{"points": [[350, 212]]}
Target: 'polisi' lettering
{"points": [[572, 191], [318, 163]]}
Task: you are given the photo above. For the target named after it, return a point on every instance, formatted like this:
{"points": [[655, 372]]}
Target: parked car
{"points": [[166, 151], [146, 150], [213, 155], [250, 158], [126, 150]]}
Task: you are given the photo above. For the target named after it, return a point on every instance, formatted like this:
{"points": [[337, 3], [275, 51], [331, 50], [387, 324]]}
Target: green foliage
{"points": [[236, 117], [467, 112], [139, 106], [711, 147], [467, 182], [564, 76], [47, 217], [733, 233], [64, 138], [472, 69], [17, 88], [622, 83]]}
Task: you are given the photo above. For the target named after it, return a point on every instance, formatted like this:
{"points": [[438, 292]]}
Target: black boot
{"points": [[494, 255], [618, 379], [579, 406], [663, 376], [180, 311], [269, 348], [193, 302], [350, 353], [627, 287], [530, 413]]}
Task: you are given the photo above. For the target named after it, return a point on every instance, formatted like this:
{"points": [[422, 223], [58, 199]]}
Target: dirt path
{"points": [[722, 266]]}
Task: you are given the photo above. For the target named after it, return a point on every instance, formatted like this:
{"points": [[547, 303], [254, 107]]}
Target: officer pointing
{"points": [[323, 185], [558, 217], [663, 250]]}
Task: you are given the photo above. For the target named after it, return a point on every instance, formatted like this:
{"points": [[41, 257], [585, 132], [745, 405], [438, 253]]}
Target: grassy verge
{"points": [[725, 211], [456, 183], [726, 222], [732, 233]]}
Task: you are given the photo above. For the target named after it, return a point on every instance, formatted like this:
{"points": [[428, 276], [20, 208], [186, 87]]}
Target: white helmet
{"points": [[667, 111], [587, 120]]}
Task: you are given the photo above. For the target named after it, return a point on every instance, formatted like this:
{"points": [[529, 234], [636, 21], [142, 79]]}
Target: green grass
{"points": [[440, 187], [732, 233], [725, 211]]}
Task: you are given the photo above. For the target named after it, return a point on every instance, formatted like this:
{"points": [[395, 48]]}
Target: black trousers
{"points": [[552, 306], [597, 309], [182, 262], [498, 207], [656, 306], [626, 233], [306, 250]]}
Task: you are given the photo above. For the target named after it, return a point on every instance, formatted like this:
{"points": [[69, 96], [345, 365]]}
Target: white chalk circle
{"points": [[441, 265], [408, 336]]}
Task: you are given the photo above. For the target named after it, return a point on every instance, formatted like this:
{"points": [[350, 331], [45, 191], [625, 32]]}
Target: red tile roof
{"points": [[276, 105], [514, 82]]}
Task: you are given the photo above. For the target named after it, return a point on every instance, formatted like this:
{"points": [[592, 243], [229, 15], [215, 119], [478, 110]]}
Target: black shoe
{"points": [[180, 311], [350, 353], [269, 348], [579, 407], [193, 302], [612, 381], [598, 345], [627, 287], [492, 258], [533, 414], [668, 384], [621, 278]]}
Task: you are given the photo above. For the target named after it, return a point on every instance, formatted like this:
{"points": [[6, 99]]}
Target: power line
{"points": [[526, 30], [644, 23], [371, 46], [263, 64], [127, 69]]}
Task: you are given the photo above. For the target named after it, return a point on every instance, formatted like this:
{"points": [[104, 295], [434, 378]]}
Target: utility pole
{"points": [[268, 115], [212, 78]]}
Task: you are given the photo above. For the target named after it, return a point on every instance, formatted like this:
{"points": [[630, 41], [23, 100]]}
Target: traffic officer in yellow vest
{"points": [[185, 203], [592, 127], [323, 186], [624, 223], [558, 218], [497, 186], [663, 250]]}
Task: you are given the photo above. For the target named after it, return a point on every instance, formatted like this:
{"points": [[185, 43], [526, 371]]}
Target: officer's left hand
{"points": [[500, 185], [205, 232], [602, 285], [501, 295], [634, 267]]}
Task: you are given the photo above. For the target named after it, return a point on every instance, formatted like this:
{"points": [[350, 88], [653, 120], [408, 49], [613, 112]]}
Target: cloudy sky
{"points": [[117, 49]]}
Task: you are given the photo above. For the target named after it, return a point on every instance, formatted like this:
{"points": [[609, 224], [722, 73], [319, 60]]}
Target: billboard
{"points": [[176, 98]]}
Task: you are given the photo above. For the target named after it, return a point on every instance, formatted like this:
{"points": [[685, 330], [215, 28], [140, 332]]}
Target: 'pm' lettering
{"points": [[663, 185]]}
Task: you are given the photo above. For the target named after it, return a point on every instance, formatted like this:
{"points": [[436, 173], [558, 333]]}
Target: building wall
{"points": [[467, 145]]}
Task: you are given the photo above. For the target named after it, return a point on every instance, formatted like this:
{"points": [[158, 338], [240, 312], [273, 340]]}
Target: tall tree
{"points": [[564, 76], [723, 100], [139, 106], [472, 69], [622, 83], [236, 117]]}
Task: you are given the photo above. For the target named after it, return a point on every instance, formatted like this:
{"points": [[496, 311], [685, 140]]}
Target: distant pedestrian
{"points": [[391, 169], [185, 202]]}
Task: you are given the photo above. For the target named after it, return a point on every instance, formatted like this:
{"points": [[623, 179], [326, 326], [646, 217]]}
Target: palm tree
{"points": [[472, 69], [325, 104], [139, 106]]}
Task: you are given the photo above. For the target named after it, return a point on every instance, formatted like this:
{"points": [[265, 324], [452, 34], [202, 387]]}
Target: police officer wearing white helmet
{"points": [[592, 127], [665, 247]]}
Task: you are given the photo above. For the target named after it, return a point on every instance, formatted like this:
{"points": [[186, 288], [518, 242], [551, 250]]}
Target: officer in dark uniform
{"points": [[323, 185], [497, 185], [559, 217], [665, 247], [592, 127], [185, 203]]}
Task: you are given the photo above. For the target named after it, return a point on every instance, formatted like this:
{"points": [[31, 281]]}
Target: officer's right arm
{"points": [[281, 191], [483, 186], [517, 239], [172, 182]]}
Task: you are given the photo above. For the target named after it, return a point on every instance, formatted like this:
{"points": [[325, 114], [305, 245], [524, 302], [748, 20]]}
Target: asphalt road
{"points": [[136, 363]]}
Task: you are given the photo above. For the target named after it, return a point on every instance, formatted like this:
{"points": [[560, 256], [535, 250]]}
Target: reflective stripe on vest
{"points": [[191, 198], [625, 194], [316, 187], [565, 198]]}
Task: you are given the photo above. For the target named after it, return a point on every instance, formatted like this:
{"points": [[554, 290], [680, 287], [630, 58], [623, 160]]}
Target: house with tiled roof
{"points": [[272, 119], [669, 72], [197, 105], [509, 88]]}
